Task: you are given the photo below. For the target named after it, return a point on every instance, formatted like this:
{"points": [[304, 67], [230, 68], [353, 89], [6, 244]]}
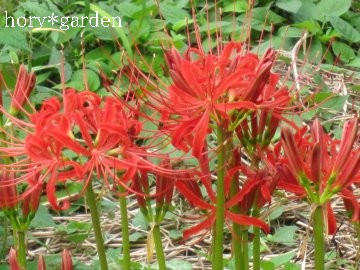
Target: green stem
{"points": [[91, 201], [245, 248], [217, 256], [4, 237], [236, 237], [237, 246], [21, 248], [159, 248], [319, 238], [124, 230], [256, 249]]}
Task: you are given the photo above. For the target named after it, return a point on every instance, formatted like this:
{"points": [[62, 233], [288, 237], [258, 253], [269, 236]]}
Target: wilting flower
{"points": [[318, 167]]}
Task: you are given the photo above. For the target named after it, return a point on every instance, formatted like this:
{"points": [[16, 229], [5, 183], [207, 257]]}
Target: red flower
{"points": [[318, 167], [13, 260], [190, 190], [208, 87], [8, 194], [24, 85], [67, 263]]}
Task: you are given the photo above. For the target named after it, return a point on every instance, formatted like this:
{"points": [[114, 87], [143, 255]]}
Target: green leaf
{"points": [[291, 266], [267, 265], [13, 37], [42, 218], [139, 221], [283, 258], [276, 213], [77, 80], [307, 12], [177, 264], [213, 27], [291, 6], [236, 6], [136, 236], [345, 29], [343, 51], [311, 25], [175, 234], [331, 101], [120, 32], [332, 8], [290, 32], [128, 9], [354, 63], [262, 18], [173, 14], [284, 235]]}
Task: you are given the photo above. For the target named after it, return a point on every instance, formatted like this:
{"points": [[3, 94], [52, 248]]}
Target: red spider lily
{"points": [[32, 201], [13, 260], [351, 203], [24, 85], [256, 134], [8, 193], [255, 192], [101, 133], [191, 191], [41, 263], [67, 263], [315, 166], [208, 86]]}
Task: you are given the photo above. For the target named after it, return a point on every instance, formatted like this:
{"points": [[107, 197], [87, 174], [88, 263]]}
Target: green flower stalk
{"points": [[317, 167], [91, 201]]}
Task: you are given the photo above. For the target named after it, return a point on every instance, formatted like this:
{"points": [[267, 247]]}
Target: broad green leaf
{"points": [[343, 51], [290, 6], [175, 234], [77, 80], [13, 37], [128, 9], [182, 24], [262, 18], [213, 27], [290, 32], [276, 213], [291, 266], [331, 101], [311, 25], [345, 29], [136, 236], [332, 8], [354, 63], [267, 265], [177, 264], [173, 14], [236, 6], [56, 59], [41, 9], [139, 221], [307, 12], [42, 218], [284, 235], [120, 32], [283, 258], [315, 53]]}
